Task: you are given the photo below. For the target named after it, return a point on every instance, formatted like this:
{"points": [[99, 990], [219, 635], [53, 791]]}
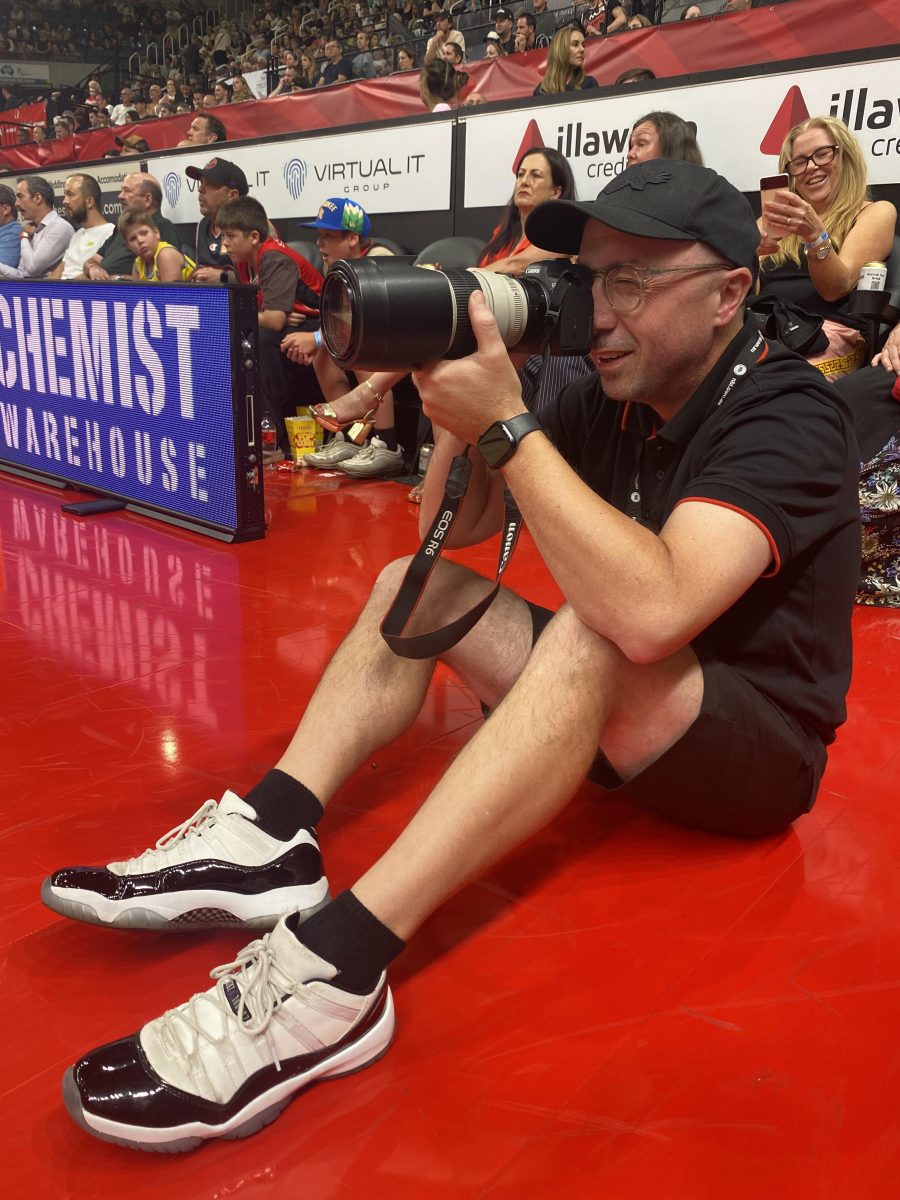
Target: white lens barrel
{"points": [[507, 301]]}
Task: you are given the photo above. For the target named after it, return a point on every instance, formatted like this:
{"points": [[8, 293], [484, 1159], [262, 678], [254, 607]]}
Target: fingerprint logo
{"points": [[295, 170], [172, 188]]}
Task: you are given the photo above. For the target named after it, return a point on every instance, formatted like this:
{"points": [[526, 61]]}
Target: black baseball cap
{"points": [[221, 173], [661, 198], [501, 13]]}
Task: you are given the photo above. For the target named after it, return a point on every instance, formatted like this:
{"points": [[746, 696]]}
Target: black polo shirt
{"points": [[779, 447], [208, 245]]}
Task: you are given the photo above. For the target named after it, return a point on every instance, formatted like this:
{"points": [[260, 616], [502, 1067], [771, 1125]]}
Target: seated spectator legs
{"points": [[273, 384], [287, 283]]}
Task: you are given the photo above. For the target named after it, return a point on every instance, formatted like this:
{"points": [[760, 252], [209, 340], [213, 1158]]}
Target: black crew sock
{"points": [[348, 936], [388, 436], [283, 805]]}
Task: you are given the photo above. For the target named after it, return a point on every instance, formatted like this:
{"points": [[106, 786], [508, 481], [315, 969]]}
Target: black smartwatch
{"points": [[500, 441]]}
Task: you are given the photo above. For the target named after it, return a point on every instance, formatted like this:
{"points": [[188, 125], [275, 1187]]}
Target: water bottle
{"points": [[269, 439], [424, 459]]}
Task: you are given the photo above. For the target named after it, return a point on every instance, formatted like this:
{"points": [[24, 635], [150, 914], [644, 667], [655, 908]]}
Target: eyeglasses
{"points": [[820, 157], [624, 285]]}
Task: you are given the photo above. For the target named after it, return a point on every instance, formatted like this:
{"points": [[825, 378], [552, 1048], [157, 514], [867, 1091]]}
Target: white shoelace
{"points": [[262, 986], [192, 827], [370, 451]]}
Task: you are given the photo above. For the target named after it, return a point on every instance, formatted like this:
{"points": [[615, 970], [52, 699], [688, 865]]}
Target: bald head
{"points": [[141, 192]]}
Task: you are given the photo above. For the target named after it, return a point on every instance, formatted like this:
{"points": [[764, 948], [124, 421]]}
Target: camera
{"points": [[382, 313]]}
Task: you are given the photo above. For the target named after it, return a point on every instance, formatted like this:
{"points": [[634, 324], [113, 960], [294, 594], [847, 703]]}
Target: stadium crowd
{"points": [[167, 59]]}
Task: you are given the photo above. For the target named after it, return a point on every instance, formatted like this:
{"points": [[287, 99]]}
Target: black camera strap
{"points": [[429, 645]]}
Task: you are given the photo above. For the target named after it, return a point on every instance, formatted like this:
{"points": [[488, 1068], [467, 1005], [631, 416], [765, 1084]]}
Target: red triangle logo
{"points": [[531, 141], [793, 110]]}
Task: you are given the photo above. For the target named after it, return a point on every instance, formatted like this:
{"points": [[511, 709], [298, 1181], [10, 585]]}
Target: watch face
{"points": [[495, 444]]}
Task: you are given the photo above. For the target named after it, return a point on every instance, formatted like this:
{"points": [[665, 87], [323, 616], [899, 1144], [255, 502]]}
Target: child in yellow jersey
{"points": [[155, 261]]}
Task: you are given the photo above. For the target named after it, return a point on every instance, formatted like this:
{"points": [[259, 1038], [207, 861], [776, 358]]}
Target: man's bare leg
{"points": [[312, 1000], [368, 696], [524, 765]]}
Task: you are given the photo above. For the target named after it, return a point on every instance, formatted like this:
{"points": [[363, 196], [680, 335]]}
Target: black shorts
{"points": [[740, 769]]}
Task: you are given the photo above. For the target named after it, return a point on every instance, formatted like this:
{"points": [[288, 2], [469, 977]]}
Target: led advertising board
{"points": [[142, 393]]}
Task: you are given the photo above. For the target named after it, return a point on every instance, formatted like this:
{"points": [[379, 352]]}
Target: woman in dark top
{"points": [[818, 232], [565, 64], [307, 75]]}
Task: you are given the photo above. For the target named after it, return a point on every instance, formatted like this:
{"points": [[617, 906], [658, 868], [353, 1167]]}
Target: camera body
{"points": [[384, 313]]}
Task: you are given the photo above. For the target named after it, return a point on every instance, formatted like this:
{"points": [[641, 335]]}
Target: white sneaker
{"points": [[374, 461], [228, 1061], [336, 451], [216, 868]]}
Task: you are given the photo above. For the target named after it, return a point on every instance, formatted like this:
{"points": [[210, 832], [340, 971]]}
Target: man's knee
{"points": [[567, 634], [450, 591], [633, 690], [391, 576]]}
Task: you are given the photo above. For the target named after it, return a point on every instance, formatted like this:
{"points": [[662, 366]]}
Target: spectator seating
{"points": [[452, 253], [310, 251]]}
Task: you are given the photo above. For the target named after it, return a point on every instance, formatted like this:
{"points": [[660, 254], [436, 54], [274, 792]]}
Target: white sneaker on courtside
{"points": [[228, 1061], [217, 868], [374, 461], [338, 450]]}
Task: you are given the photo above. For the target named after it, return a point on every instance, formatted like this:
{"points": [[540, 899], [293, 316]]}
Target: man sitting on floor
{"points": [[703, 646]]}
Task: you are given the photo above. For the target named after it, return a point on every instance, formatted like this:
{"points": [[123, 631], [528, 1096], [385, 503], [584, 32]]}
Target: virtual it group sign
{"points": [[388, 170]]}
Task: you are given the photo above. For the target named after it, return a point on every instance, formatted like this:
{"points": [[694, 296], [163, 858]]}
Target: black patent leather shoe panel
{"points": [[299, 866], [117, 1082]]}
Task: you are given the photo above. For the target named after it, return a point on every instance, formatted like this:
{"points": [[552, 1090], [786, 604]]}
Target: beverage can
{"points": [[872, 277], [424, 459]]}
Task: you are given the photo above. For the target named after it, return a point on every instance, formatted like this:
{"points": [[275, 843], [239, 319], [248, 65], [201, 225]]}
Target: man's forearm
{"points": [[648, 593], [36, 263]]}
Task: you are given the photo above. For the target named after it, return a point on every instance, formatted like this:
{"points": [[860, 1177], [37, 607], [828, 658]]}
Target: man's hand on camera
{"points": [[467, 395]]}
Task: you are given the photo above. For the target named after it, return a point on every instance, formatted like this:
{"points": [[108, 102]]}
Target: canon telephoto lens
{"points": [[381, 313]]}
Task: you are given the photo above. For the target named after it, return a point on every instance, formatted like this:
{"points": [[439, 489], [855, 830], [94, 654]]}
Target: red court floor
{"points": [[622, 1010]]}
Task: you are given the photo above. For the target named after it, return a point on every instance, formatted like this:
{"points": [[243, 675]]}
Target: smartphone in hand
{"points": [[768, 186]]}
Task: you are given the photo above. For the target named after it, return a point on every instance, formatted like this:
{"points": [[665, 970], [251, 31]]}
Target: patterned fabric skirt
{"points": [[879, 500]]}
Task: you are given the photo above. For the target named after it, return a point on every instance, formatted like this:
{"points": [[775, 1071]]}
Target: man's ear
{"points": [[733, 291]]}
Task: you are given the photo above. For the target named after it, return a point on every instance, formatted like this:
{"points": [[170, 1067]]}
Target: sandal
{"points": [[325, 415], [415, 496]]}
